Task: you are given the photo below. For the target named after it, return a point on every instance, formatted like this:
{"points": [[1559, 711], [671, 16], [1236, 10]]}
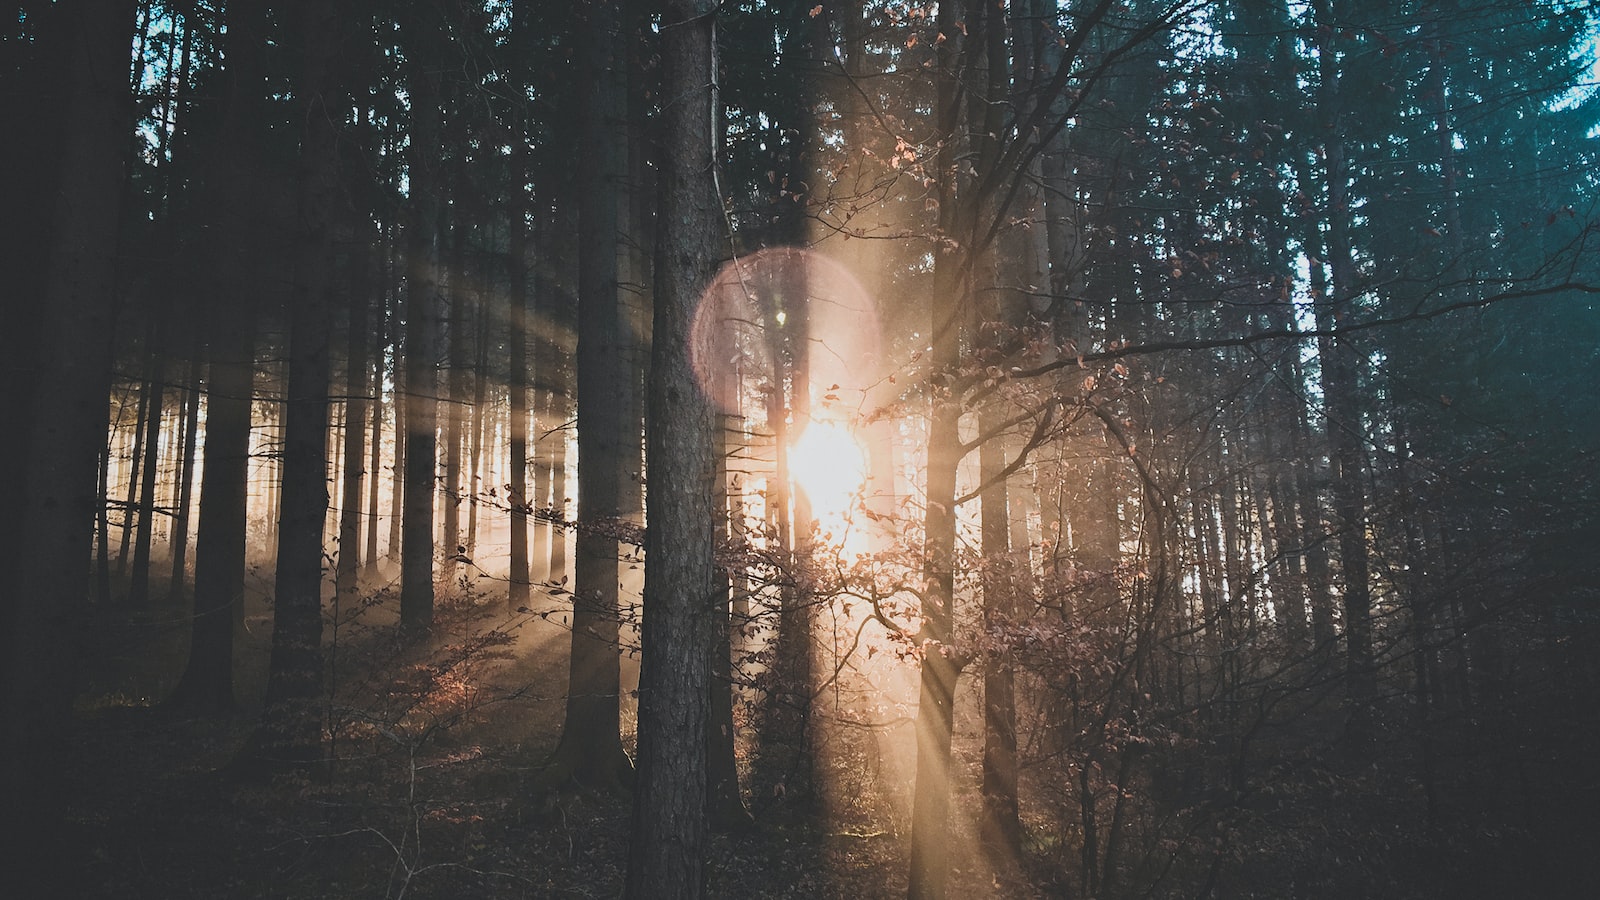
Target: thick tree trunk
{"points": [[591, 744], [291, 727], [46, 603], [207, 682], [668, 835]]}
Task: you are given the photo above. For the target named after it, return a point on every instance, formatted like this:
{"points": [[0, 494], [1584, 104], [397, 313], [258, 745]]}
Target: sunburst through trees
{"points": [[1015, 449]]}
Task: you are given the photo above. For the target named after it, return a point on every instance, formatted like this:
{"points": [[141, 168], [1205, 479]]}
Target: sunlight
{"points": [[827, 463]]}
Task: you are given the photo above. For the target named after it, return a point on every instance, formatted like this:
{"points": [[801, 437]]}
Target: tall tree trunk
{"points": [[1340, 373], [455, 405], [357, 402], [47, 601], [291, 726], [102, 561], [940, 666], [591, 744], [1002, 828], [725, 807], [401, 401], [207, 682], [375, 450], [135, 461], [668, 833], [517, 318], [556, 538], [155, 387], [422, 334], [179, 541], [480, 399]]}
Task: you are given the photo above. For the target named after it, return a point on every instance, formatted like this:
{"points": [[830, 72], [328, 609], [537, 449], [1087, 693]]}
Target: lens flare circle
{"points": [[770, 312]]}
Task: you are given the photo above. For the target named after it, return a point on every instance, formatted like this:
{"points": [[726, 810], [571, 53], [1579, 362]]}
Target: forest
{"points": [[845, 448]]}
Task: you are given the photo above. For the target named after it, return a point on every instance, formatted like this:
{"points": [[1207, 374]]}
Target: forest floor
{"points": [[438, 749]]}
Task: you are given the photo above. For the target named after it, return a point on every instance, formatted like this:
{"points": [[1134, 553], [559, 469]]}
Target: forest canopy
{"points": [[1093, 448]]}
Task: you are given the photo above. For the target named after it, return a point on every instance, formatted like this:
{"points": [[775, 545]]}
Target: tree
{"points": [[668, 829], [291, 728], [66, 421], [591, 743], [229, 254], [517, 316], [421, 394]]}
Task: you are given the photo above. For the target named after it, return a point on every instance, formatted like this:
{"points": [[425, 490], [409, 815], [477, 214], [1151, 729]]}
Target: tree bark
{"points": [[591, 743], [417, 552], [135, 459], [357, 402], [1346, 435], [375, 448], [179, 541], [47, 601], [517, 320], [291, 727], [668, 834], [940, 666], [155, 390], [480, 399], [207, 682], [456, 402]]}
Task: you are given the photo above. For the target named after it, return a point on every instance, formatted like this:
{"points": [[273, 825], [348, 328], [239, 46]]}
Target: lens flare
{"points": [[779, 310], [827, 464]]}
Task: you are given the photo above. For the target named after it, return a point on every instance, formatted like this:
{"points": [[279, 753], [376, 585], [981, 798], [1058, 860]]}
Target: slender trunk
{"points": [[355, 424], [455, 406], [480, 397], [1002, 827], [517, 497], [556, 538], [417, 554], [538, 470], [135, 463], [517, 323], [725, 807], [375, 452], [1346, 435], [401, 399], [139, 582], [940, 665], [102, 562], [1421, 620]]}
